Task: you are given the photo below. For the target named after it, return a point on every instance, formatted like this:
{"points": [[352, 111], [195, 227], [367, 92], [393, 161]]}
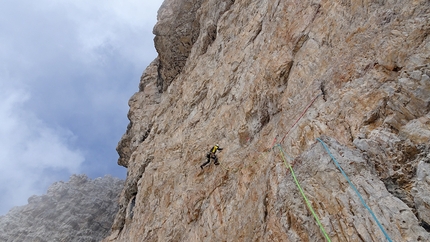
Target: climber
{"points": [[211, 154]]}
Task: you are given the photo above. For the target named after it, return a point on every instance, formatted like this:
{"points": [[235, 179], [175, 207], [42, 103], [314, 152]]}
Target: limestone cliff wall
{"points": [[241, 73], [78, 210]]}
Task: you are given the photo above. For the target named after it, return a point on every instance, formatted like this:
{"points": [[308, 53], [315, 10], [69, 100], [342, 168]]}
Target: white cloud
{"points": [[67, 70], [29, 151], [110, 22]]}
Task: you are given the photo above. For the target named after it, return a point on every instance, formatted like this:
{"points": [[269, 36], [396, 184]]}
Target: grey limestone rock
{"points": [[80, 210]]}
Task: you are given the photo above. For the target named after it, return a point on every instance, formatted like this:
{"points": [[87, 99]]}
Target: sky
{"points": [[67, 71]]}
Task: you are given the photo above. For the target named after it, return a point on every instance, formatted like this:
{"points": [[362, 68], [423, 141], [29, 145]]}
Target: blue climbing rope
{"points": [[355, 189]]}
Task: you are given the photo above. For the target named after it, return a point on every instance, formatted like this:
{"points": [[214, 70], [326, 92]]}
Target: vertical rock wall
{"points": [[241, 73]]}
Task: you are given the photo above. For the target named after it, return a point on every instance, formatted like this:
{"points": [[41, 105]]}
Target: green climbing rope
{"points": [[303, 194]]}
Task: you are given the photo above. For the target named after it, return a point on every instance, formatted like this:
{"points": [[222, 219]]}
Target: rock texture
{"points": [[78, 210], [241, 73]]}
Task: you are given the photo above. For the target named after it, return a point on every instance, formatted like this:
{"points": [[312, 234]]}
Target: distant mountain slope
{"points": [[78, 210]]}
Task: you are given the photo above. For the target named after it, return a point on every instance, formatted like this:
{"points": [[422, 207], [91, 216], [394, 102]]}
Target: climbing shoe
{"points": [[216, 163], [201, 167]]}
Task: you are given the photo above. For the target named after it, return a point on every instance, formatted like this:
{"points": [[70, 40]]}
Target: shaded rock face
{"points": [[78, 210], [249, 70]]}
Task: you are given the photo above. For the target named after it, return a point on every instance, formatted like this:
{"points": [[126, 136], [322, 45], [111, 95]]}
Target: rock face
{"points": [[79, 210], [252, 74]]}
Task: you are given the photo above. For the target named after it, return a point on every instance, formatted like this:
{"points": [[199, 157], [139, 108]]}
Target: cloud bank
{"points": [[67, 71], [32, 155]]}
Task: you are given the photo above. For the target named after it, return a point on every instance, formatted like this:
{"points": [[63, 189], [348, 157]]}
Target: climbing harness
{"points": [[283, 154], [355, 189]]}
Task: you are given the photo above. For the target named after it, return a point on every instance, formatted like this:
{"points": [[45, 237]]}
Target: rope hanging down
{"points": [[274, 140], [303, 194], [355, 189], [306, 109]]}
